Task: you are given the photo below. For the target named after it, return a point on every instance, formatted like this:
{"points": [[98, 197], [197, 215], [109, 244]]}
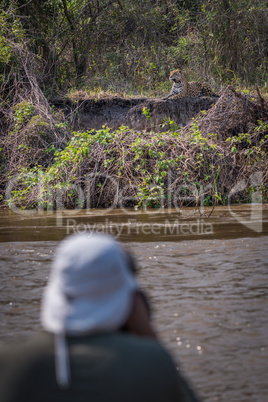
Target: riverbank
{"points": [[86, 112], [219, 157], [171, 225]]}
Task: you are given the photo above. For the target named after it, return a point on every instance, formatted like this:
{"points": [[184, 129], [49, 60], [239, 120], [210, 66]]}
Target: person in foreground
{"points": [[98, 343]]}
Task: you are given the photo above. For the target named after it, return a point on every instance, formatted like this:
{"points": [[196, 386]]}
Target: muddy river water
{"points": [[207, 278]]}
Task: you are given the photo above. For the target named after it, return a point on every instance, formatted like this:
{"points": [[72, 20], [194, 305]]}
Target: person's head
{"points": [[93, 288]]}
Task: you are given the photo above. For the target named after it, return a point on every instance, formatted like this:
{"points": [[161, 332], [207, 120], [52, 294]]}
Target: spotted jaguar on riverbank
{"points": [[182, 88]]}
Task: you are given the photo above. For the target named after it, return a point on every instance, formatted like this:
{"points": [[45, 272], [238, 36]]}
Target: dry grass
{"points": [[201, 163]]}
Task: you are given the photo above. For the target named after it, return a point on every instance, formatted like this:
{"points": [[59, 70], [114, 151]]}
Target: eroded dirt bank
{"points": [[199, 163], [114, 111]]}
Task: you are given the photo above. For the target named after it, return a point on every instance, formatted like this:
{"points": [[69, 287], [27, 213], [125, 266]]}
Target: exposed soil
{"points": [[204, 159], [114, 111]]}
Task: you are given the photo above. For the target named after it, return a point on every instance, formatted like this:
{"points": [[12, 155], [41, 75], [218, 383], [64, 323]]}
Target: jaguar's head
{"points": [[176, 76]]}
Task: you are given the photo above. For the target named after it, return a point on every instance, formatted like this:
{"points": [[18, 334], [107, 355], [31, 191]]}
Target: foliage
{"points": [[31, 142], [131, 46], [126, 168], [126, 46], [233, 43], [23, 112]]}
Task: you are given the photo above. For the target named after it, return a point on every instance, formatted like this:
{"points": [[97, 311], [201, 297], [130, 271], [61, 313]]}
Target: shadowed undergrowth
{"points": [[199, 164]]}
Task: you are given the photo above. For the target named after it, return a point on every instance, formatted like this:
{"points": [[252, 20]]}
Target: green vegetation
{"points": [[128, 47], [128, 168], [131, 46]]}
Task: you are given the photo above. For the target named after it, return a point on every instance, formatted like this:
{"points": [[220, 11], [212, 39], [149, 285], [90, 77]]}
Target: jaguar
{"points": [[182, 88]]}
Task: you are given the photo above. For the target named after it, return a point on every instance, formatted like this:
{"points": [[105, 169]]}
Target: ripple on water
{"points": [[209, 301]]}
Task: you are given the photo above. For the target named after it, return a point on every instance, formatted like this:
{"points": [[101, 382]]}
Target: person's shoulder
{"points": [[150, 345], [146, 349], [126, 339], [152, 357], [22, 348]]}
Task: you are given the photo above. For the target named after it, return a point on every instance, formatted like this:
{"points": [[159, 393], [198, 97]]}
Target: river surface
{"points": [[206, 276]]}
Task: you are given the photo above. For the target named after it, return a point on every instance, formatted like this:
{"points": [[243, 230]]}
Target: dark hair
{"points": [[131, 261]]}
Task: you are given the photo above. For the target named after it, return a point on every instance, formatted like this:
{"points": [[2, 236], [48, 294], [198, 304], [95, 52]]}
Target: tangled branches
{"points": [[127, 168], [201, 164], [30, 130], [233, 114]]}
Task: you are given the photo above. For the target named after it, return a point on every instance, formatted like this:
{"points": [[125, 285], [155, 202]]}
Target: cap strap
{"points": [[62, 361]]}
